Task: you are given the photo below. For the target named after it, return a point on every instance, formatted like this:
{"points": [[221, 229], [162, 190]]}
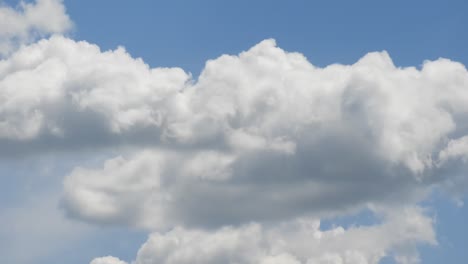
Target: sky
{"points": [[173, 132]]}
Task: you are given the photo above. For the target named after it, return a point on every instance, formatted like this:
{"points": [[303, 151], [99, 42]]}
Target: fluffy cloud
{"points": [[297, 241], [267, 136], [62, 94], [29, 21], [261, 138], [264, 98]]}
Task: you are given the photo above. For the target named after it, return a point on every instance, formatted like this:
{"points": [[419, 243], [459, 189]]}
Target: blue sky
{"points": [[187, 34], [325, 31]]}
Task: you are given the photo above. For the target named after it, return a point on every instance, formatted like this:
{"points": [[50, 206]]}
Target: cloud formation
{"points": [[62, 94], [239, 165], [292, 242], [267, 136]]}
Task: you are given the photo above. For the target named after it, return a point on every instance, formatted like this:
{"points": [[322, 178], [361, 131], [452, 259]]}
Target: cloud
{"points": [[268, 136], [260, 138], [263, 98], [453, 162], [61, 94], [157, 189], [294, 241], [30, 21], [107, 260], [457, 148]]}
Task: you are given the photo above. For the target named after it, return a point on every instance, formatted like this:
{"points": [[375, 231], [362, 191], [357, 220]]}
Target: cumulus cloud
{"points": [[29, 21], [264, 98], [267, 136], [291, 242], [230, 161], [62, 94]]}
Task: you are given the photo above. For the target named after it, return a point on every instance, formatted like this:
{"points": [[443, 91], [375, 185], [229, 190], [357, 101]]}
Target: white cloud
{"points": [[264, 98], [107, 260], [29, 21], [66, 94], [296, 241], [263, 137]]}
